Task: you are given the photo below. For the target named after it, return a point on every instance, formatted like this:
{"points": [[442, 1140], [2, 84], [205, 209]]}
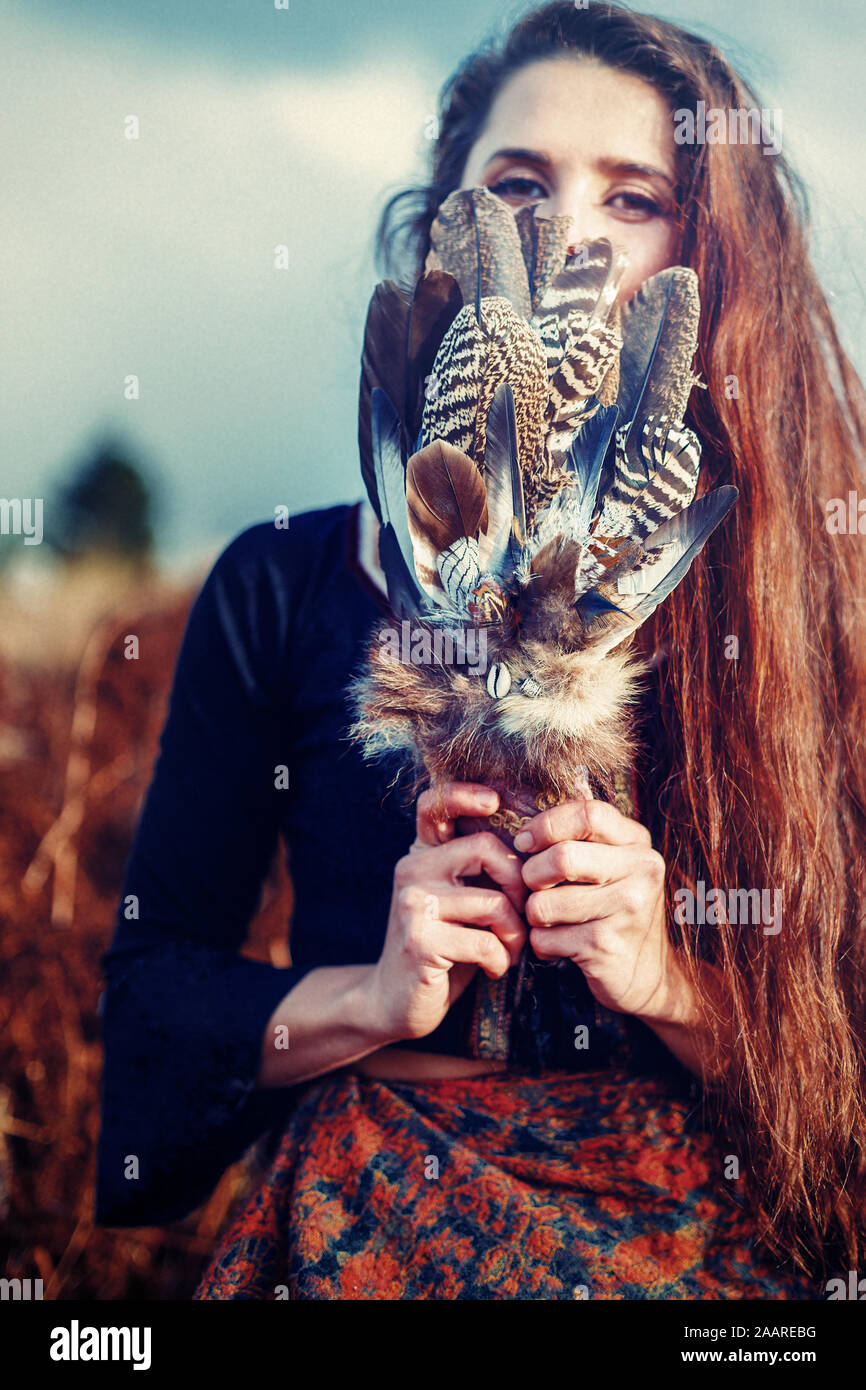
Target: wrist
{"points": [[680, 1022], [674, 1005], [367, 1009]]}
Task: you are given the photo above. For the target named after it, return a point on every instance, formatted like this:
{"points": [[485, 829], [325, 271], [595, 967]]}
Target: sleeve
{"points": [[183, 1013]]}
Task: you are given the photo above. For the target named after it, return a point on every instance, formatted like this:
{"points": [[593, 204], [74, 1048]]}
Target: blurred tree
{"points": [[106, 509]]}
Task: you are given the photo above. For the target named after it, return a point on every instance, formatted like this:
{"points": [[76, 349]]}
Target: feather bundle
{"points": [[537, 492]]}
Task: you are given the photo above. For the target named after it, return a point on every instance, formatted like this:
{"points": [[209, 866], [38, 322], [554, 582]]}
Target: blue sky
{"points": [[259, 127]]}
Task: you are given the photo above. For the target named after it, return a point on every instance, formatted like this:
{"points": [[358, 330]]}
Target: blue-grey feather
{"points": [[686, 534], [395, 543]]}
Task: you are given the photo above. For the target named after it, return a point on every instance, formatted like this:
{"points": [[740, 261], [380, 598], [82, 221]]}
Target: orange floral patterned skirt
{"points": [[507, 1186]]}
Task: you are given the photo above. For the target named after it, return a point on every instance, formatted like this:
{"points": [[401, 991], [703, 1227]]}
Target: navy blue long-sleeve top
{"points": [[255, 748]]}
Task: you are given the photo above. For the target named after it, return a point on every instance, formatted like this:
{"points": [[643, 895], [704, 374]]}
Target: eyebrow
{"points": [[607, 164]]}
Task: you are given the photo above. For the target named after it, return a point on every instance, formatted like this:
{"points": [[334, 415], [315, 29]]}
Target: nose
{"points": [[586, 224]]}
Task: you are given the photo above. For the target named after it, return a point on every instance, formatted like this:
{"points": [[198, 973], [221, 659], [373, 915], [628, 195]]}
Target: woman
{"points": [[579, 1168]]}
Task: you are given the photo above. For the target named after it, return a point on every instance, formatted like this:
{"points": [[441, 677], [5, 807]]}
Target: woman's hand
{"points": [[597, 898], [434, 943]]}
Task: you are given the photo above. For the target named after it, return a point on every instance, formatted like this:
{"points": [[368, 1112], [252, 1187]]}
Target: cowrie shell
{"points": [[498, 680]]}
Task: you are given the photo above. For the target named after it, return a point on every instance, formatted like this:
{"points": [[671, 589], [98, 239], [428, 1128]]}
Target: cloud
{"points": [[156, 256]]}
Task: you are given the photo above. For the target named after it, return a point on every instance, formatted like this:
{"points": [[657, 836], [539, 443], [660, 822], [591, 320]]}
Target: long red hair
{"points": [[763, 782]]}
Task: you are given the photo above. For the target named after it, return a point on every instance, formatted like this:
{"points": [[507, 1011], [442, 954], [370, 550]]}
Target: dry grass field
{"points": [[79, 731]]}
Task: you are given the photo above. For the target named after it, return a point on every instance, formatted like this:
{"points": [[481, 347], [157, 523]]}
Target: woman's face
{"points": [[571, 135]]}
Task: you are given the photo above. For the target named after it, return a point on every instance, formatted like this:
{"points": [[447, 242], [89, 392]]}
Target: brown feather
{"points": [[474, 236], [445, 495]]}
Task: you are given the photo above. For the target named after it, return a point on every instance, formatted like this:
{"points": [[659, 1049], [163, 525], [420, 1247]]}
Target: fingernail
{"points": [[489, 799], [523, 841]]}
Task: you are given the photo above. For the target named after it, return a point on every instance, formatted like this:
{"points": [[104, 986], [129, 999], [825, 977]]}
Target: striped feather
{"points": [[578, 298], [665, 482], [582, 340], [472, 363]]}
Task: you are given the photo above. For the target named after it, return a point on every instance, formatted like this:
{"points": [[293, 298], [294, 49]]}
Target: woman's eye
{"points": [[523, 189], [636, 203]]}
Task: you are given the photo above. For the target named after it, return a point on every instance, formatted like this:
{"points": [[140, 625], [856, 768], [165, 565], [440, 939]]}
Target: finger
{"points": [[571, 906], [469, 855], [564, 943], [578, 861], [439, 806], [587, 941], [581, 820], [483, 907], [449, 944]]}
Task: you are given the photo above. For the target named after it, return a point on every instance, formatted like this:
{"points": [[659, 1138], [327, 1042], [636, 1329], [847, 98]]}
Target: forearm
{"points": [[326, 1021], [681, 1023]]}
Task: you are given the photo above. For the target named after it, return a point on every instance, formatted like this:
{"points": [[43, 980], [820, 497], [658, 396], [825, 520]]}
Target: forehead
{"points": [[574, 109]]}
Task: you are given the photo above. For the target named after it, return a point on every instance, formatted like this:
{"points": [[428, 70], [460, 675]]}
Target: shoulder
{"points": [[255, 599], [269, 568], [284, 544]]}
